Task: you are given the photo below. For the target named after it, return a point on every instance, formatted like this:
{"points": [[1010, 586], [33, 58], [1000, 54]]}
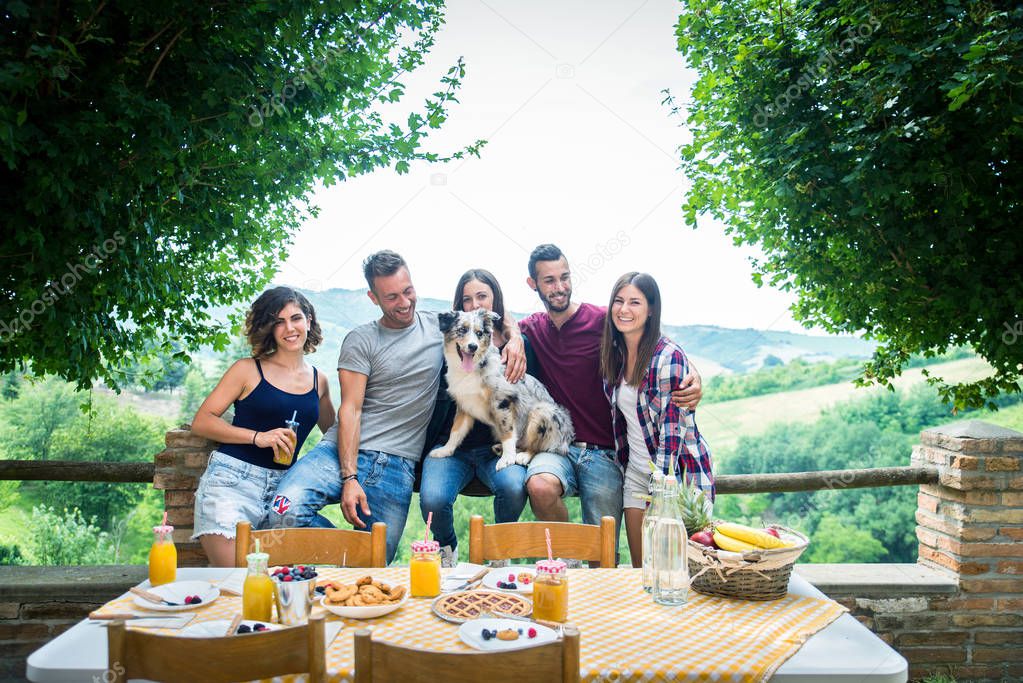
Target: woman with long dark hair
{"points": [[641, 368], [267, 390]]}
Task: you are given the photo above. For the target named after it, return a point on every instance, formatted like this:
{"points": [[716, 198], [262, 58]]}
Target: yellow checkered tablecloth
{"points": [[624, 636]]}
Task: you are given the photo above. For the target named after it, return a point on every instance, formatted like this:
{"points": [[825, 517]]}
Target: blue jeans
{"points": [[444, 478], [315, 482], [593, 475]]}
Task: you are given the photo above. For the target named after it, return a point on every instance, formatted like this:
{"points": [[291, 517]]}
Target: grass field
{"points": [[723, 423]]}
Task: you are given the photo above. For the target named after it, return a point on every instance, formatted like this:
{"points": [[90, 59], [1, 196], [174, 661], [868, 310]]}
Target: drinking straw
{"points": [[164, 518], [429, 518], [294, 415], [547, 534], [257, 545]]}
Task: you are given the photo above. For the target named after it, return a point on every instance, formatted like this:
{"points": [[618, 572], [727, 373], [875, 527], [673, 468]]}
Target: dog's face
{"points": [[467, 336]]}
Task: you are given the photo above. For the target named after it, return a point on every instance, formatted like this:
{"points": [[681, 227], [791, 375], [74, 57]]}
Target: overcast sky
{"points": [[581, 153]]}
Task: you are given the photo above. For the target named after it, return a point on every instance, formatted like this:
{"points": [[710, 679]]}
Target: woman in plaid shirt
{"points": [[641, 368]]}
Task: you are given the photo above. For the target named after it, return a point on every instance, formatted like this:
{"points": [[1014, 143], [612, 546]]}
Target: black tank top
{"points": [[266, 408]]}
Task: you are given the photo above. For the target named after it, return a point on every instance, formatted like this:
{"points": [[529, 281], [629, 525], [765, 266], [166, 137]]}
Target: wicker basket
{"points": [[752, 575]]}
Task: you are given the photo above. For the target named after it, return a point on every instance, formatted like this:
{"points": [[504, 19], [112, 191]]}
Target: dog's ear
{"points": [[446, 320]]}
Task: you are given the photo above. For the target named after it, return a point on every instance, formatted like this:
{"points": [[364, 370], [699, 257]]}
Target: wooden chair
{"points": [[379, 661], [314, 546], [527, 539], [134, 653]]}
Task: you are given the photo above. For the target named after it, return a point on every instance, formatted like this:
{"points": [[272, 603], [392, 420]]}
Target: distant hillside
{"points": [[713, 349]]}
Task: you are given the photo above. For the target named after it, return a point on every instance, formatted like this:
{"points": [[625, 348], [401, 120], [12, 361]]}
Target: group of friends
{"points": [[630, 391]]}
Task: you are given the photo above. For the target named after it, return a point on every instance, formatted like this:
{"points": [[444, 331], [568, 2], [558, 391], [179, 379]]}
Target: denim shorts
{"points": [[591, 474], [232, 491]]}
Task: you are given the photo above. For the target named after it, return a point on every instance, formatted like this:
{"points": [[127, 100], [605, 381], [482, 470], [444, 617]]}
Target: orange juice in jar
{"points": [[281, 457], [163, 556], [550, 591], [424, 569], [258, 589]]}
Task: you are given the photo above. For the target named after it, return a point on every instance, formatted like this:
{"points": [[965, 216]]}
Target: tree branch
{"points": [[163, 54]]}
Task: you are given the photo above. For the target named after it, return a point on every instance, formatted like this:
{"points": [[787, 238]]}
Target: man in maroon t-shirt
{"points": [[566, 340]]}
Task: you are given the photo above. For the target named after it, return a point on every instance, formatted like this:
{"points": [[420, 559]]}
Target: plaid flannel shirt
{"points": [[669, 431]]}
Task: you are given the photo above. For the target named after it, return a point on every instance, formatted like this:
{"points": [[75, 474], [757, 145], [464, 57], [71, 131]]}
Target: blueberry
{"points": [[244, 628], [511, 586], [321, 590], [486, 635], [259, 627], [520, 631]]}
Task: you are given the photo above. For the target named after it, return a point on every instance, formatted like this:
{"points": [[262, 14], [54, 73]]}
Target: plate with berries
{"points": [[217, 628], [504, 634], [180, 596], [513, 578]]}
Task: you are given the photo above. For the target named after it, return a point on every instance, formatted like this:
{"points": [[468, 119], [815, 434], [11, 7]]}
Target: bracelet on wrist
{"points": [[254, 435], [350, 477]]}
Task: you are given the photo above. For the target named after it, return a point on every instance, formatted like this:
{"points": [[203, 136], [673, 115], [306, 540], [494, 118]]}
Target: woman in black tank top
{"points": [[275, 385]]}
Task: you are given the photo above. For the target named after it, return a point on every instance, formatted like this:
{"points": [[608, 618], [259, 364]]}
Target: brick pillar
{"points": [[970, 525], [178, 468]]}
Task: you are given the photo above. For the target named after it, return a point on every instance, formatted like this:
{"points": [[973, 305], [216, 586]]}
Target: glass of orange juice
{"points": [[163, 556], [258, 589], [550, 591], [424, 569]]}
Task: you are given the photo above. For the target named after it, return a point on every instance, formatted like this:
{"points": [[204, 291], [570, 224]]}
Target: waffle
{"points": [[466, 605]]}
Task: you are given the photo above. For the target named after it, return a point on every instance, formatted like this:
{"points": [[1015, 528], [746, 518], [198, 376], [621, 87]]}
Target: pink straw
{"points": [[429, 518], [164, 518], [547, 533]]}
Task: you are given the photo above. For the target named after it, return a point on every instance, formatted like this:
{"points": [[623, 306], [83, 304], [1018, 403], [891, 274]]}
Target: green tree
{"points": [[871, 151], [64, 537], [835, 541], [32, 420], [158, 158]]}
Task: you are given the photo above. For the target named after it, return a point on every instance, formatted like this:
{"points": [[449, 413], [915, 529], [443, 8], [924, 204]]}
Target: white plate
{"points": [[370, 612], [176, 592], [218, 628], [501, 574], [470, 632]]}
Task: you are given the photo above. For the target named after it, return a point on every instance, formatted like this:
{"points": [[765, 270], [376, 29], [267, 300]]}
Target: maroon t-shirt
{"points": [[569, 361]]}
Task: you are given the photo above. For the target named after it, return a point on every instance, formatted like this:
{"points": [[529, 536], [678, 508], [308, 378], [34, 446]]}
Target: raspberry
{"points": [[500, 584], [531, 632], [287, 577]]}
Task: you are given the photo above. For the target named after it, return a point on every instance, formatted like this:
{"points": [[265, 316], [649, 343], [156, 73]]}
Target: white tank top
{"points": [[628, 400]]}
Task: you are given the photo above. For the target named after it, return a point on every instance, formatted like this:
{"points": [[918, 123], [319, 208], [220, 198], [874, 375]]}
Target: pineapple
{"points": [[695, 508]]}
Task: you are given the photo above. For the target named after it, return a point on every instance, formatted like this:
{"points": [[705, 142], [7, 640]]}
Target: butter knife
{"points": [[473, 579]]}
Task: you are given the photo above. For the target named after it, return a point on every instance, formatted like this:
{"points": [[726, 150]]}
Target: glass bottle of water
{"points": [[668, 545], [652, 513]]}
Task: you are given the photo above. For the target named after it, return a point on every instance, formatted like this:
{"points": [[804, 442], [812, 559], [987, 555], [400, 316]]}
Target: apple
{"points": [[704, 538], [773, 532]]}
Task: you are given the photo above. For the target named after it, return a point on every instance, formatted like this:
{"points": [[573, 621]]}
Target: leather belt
{"points": [[591, 446]]}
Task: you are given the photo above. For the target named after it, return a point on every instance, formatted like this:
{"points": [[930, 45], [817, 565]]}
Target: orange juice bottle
{"points": [[163, 556], [550, 591], [258, 589], [424, 569]]}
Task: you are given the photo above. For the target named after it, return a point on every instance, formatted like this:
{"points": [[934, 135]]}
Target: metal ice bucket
{"points": [[294, 600]]}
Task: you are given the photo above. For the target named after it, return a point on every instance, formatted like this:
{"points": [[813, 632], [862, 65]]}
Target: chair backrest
{"points": [[379, 661], [345, 547], [527, 539], [134, 653]]}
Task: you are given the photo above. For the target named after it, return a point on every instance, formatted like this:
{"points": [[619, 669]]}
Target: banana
{"points": [[755, 537], [729, 543]]}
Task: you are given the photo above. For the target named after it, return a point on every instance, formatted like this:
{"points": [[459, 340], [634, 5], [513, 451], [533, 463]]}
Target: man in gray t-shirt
{"points": [[389, 371]]}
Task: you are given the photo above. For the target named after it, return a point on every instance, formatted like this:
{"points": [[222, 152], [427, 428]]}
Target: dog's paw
{"points": [[504, 462], [523, 458], [442, 452]]}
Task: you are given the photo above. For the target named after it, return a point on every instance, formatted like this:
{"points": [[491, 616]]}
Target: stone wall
{"points": [[178, 468], [39, 603]]}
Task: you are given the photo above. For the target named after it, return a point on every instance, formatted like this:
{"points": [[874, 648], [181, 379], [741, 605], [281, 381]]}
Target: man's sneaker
{"points": [[448, 556], [497, 563], [573, 564]]}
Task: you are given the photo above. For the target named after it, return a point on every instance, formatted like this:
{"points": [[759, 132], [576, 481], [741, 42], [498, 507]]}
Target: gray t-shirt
{"points": [[403, 370]]}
